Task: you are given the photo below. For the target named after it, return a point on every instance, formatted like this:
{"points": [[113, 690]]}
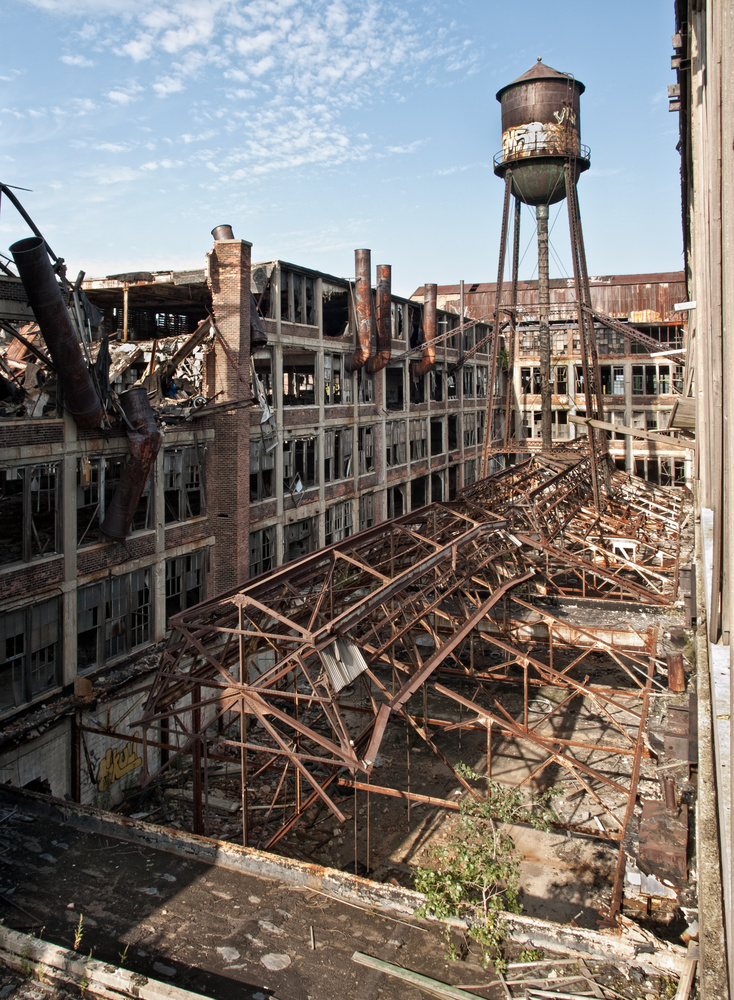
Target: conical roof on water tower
{"points": [[541, 133]]}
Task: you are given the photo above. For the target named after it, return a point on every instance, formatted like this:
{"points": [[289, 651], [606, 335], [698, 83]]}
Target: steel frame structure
{"points": [[263, 677]]}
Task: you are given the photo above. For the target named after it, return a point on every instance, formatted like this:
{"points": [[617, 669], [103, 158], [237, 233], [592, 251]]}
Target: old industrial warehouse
{"points": [[309, 590]]}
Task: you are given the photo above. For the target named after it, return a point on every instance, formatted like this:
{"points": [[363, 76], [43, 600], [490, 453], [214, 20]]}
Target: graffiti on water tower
{"points": [[541, 138], [117, 763]]}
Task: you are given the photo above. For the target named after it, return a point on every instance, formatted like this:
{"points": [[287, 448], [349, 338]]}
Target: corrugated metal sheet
{"points": [[343, 662], [616, 295]]}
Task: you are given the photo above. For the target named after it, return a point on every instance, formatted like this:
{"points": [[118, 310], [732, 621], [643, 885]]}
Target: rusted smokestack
{"points": [[384, 320], [222, 233], [44, 295], [428, 360], [363, 310], [145, 442]]}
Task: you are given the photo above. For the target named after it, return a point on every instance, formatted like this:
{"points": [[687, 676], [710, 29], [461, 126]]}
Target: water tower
{"points": [[540, 161]]}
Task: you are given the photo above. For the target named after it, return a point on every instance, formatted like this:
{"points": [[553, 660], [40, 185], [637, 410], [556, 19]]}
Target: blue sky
{"points": [[317, 126]]}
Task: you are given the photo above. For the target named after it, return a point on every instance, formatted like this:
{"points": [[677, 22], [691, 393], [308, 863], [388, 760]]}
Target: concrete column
{"points": [[68, 547]]}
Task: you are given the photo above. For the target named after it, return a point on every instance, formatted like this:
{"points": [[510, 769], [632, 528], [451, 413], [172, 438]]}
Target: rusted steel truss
{"points": [[297, 675]]}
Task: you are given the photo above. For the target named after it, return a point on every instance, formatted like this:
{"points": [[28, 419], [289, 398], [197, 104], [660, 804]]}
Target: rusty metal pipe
{"points": [[384, 319], [145, 441], [362, 309], [46, 301], [428, 360]]}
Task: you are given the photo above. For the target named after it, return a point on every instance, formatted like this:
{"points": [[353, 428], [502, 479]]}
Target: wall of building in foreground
{"points": [[703, 97]]}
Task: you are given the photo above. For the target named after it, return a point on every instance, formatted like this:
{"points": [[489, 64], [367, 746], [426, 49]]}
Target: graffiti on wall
{"points": [[117, 763]]}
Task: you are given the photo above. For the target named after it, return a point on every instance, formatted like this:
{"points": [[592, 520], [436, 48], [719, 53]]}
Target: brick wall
{"points": [[228, 378], [100, 557], [31, 578], [25, 433]]}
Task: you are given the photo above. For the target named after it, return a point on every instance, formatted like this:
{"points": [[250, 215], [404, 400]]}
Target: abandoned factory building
{"points": [[296, 572], [278, 439]]}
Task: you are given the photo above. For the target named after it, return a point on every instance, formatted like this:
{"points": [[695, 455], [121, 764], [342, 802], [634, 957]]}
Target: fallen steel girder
{"points": [[297, 675], [279, 651]]}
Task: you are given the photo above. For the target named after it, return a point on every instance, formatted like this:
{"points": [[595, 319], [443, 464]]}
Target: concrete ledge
{"points": [[631, 945]]}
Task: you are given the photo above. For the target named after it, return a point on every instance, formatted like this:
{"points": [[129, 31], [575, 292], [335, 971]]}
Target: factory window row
{"points": [[307, 379], [30, 501], [648, 380], [114, 618], [415, 440]]}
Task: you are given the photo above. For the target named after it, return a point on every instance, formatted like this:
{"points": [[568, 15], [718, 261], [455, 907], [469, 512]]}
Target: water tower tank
{"points": [[540, 133]]}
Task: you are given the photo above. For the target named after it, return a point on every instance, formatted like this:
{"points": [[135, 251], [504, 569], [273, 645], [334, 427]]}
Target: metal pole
{"points": [[544, 330]]}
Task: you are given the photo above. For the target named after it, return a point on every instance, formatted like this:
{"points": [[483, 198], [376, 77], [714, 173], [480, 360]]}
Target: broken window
{"points": [[561, 427], [365, 387], [435, 384], [395, 451], [262, 551], [468, 381], [261, 286], [337, 454], [436, 487], [470, 472], [335, 310], [30, 644], [299, 378], [395, 501], [436, 435], [262, 471], [184, 582], [678, 377], [97, 480], [366, 510], [29, 505], [453, 481], [418, 440], [560, 377], [417, 388], [300, 538], [338, 522], [397, 320], [333, 370], [299, 462], [579, 378], [264, 375], [453, 429], [470, 430], [113, 618], [664, 379], [183, 484], [419, 492], [366, 449], [394, 387], [451, 383], [481, 380]]}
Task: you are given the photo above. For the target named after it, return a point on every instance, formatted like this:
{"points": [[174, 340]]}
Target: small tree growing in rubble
{"points": [[476, 874]]}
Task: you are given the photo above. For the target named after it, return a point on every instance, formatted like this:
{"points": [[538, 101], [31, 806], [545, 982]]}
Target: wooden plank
{"points": [[685, 984], [433, 986]]}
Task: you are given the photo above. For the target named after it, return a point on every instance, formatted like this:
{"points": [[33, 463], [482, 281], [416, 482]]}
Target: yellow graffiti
{"points": [[116, 763]]}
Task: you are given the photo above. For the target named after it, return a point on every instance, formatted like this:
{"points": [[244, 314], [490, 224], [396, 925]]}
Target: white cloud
{"points": [[77, 61], [409, 147], [168, 85]]}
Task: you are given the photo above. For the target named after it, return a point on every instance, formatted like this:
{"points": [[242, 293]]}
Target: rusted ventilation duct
{"points": [[428, 360], [44, 295], [362, 309], [384, 320], [145, 442], [221, 233]]}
